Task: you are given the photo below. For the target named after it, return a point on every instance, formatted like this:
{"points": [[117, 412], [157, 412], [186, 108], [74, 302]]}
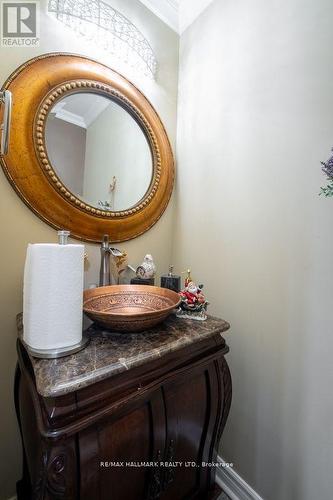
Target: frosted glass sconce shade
{"points": [[109, 29]]}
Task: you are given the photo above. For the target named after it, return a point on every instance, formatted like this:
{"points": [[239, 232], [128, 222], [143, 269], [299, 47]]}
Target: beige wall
{"points": [[255, 118], [66, 145], [116, 146], [19, 226]]}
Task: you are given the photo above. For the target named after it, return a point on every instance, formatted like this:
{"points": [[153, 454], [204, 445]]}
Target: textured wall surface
{"points": [[19, 226], [255, 119]]}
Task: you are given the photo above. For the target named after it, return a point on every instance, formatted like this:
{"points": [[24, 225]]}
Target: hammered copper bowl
{"points": [[129, 308]]}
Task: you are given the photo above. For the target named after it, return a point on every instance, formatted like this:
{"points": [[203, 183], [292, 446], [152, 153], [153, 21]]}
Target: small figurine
{"points": [[118, 264], [193, 303], [147, 269]]}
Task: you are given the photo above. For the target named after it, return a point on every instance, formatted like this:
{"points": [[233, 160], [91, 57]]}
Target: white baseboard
{"points": [[12, 498], [233, 485]]}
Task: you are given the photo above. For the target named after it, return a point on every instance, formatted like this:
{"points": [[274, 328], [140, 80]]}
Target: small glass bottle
{"points": [[170, 281]]}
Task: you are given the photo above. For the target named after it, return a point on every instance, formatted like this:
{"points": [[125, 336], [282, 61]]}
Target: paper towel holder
{"points": [[63, 236], [58, 352]]}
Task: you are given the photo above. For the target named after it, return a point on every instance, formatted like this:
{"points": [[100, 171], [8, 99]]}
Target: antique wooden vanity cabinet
{"points": [[88, 420]]}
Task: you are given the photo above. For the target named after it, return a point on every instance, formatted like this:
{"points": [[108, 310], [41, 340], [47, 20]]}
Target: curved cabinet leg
{"points": [[57, 475], [23, 486], [227, 395], [220, 391], [49, 467]]}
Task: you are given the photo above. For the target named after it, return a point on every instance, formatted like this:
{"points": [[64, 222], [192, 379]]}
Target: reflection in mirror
{"points": [[98, 151]]}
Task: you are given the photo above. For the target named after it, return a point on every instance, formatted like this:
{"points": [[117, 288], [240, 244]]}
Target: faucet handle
{"points": [[105, 242], [116, 253]]}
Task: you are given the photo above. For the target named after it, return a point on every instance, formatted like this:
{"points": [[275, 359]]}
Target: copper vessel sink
{"points": [[129, 308]]}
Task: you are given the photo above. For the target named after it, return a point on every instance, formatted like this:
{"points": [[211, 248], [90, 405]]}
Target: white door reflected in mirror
{"points": [[98, 151]]}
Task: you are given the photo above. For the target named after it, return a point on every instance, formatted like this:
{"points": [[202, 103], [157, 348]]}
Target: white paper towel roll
{"points": [[52, 295]]}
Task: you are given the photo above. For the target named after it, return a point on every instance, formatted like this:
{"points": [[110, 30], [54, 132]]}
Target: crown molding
{"points": [[166, 10], [92, 113], [189, 11], [177, 14], [83, 119], [72, 118]]}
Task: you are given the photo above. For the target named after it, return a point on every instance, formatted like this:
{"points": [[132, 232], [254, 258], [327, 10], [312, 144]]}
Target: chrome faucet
{"points": [[104, 273], [106, 252]]}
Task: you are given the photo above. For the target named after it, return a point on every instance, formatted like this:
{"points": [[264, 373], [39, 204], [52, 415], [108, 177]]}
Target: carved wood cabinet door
{"points": [[174, 429], [112, 451], [192, 419]]}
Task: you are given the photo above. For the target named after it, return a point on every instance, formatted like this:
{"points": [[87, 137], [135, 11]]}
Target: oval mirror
{"points": [[98, 151], [87, 151]]}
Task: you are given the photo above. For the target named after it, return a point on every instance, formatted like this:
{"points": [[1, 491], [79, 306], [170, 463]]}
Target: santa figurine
{"points": [[193, 303], [192, 294]]}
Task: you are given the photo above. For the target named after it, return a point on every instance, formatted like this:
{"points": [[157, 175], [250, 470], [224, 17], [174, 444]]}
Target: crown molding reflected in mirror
{"points": [[38, 86]]}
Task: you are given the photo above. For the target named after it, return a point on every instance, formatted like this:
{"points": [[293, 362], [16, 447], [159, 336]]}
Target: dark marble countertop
{"points": [[107, 355]]}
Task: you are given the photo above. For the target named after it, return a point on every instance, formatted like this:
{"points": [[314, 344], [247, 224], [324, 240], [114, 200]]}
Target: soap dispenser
{"points": [[171, 281]]}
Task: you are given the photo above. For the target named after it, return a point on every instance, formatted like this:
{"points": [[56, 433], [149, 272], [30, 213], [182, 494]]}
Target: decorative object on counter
{"points": [[147, 269], [193, 303], [145, 273], [118, 265], [129, 308], [52, 298], [327, 168], [171, 281], [119, 262], [188, 278]]}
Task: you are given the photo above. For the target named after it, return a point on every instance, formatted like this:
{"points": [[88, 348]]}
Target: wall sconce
{"points": [[108, 28]]}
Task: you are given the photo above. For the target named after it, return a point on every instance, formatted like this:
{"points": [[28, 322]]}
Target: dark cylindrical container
{"points": [[171, 281]]}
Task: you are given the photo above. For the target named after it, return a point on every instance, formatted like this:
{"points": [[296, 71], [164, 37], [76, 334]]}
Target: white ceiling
{"points": [[167, 10], [178, 14], [189, 10], [80, 109]]}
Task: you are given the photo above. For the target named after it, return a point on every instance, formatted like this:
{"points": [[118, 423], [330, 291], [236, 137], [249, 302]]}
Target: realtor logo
{"points": [[19, 23]]}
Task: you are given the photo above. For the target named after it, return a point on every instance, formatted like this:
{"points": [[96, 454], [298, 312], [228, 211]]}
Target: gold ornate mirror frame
{"points": [[36, 86]]}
